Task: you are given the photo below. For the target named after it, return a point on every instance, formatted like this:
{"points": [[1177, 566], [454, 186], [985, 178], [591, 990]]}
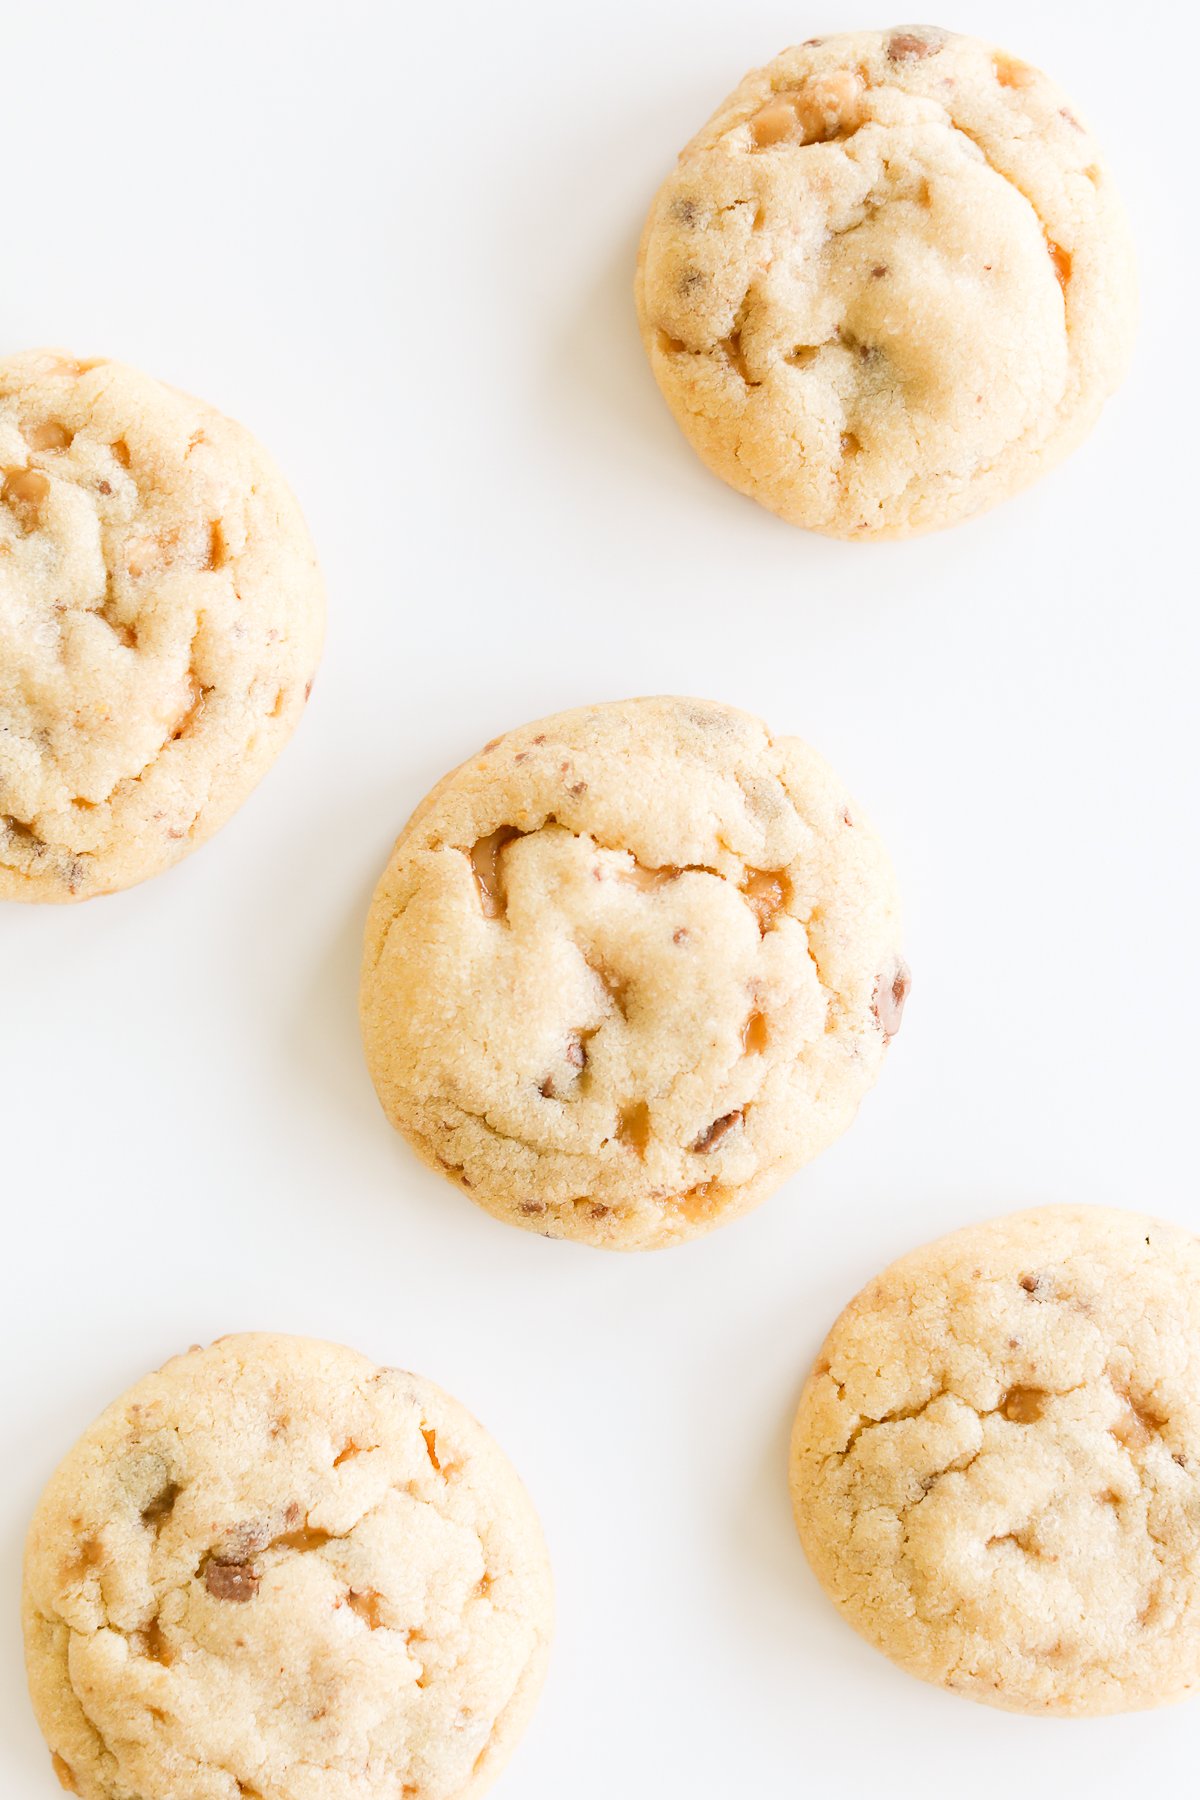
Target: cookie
{"points": [[628, 968], [996, 1462], [888, 284], [273, 1571], [161, 616]]}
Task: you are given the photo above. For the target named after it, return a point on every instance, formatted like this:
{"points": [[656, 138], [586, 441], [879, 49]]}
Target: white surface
{"points": [[398, 243]]}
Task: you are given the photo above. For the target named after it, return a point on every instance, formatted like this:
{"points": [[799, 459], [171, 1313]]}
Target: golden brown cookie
{"points": [[161, 616], [996, 1462], [273, 1571], [889, 283], [628, 968]]}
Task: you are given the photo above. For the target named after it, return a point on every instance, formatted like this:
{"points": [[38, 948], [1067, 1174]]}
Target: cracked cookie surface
{"points": [[161, 617], [273, 1571], [628, 968], [996, 1462], [888, 284]]}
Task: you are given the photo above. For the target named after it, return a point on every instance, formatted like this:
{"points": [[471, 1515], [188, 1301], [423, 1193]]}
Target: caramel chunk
{"points": [[155, 1646], [732, 346], [485, 862], [306, 1538], [1011, 73], [766, 892], [825, 108], [1136, 1427], [633, 1126], [25, 487], [699, 1202], [1061, 260], [366, 1605], [1023, 1405], [639, 875], [774, 122], [49, 436]]}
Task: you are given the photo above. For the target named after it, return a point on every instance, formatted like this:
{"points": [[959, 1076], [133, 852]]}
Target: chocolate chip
{"points": [[719, 1129], [879, 271], [904, 47], [161, 1506], [890, 995], [236, 1582]]}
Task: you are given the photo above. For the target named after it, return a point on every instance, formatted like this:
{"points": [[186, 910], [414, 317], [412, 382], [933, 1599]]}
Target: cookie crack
{"points": [[1051, 246], [866, 1423], [313, 1539]]}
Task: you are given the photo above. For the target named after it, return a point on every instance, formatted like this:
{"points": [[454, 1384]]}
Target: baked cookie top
{"points": [[888, 284], [628, 968], [161, 617], [996, 1462], [273, 1571]]}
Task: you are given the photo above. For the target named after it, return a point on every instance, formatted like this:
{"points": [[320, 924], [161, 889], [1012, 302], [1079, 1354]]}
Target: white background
{"points": [[398, 243]]}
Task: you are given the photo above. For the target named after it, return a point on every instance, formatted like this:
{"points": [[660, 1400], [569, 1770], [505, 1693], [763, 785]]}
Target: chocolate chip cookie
{"points": [[274, 1571], [996, 1462], [161, 617], [628, 968], [889, 283]]}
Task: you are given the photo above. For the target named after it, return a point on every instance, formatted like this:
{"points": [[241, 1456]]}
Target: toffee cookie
{"points": [[272, 1571], [888, 284], [996, 1462], [161, 616], [628, 968]]}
